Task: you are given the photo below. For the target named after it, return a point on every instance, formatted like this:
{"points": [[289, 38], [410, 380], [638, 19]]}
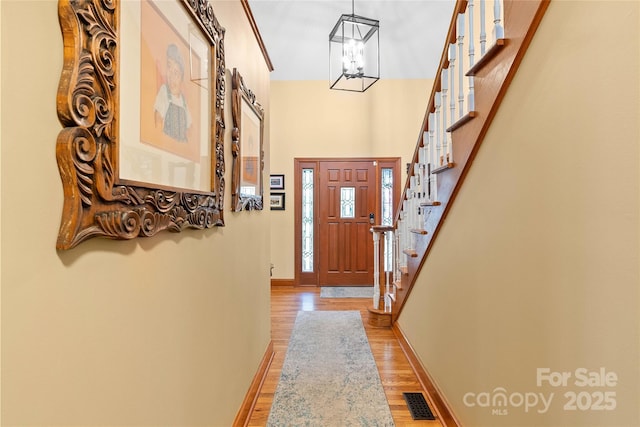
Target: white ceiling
{"points": [[296, 35]]}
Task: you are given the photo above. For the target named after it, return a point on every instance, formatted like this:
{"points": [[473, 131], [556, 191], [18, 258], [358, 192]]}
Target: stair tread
{"points": [[443, 168], [410, 252], [461, 121], [493, 51]]}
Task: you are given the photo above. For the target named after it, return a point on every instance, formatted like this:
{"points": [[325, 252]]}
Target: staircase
{"points": [[486, 42]]}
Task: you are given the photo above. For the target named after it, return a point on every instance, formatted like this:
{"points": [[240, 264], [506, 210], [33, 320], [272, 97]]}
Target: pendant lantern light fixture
{"points": [[354, 52]]}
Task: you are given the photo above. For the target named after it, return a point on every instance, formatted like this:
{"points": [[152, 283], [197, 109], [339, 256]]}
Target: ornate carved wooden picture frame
{"points": [[92, 107], [247, 147]]}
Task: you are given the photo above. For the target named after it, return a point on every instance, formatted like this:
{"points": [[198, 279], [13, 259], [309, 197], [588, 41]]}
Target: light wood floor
{"points": [[395, 372]]}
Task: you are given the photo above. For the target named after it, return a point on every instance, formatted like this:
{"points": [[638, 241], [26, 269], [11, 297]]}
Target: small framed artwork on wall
{"points": [[277, 201], [276, 182]]}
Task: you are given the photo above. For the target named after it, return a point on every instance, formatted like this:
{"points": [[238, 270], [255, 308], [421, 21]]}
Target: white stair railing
{"points": [[453, 103], [454, 99]]}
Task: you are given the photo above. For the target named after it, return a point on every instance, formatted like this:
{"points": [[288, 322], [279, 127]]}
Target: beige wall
{"points": [[310, 120], [0, 210], [537, 264], [167, 330]]}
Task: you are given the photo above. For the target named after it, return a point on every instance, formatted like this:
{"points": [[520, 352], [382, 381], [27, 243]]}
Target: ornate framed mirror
{"points": [[141, 100], [247, 139]]}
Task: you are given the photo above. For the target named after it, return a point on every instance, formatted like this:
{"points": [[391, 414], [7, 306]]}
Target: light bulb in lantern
{"points": [[359, 51], [353, 58]]}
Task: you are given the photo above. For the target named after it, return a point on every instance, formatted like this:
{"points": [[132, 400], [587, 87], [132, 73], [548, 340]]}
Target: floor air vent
{"points": [[418, 406]]}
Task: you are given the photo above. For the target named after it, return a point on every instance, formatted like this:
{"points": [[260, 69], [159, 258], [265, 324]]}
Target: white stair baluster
{"points": [[389, 247], [444, 79], [403, 239], [414, 216], [434, 187], [415, 198], [423, 165], [418, 175], [483, 28], [498, 29], [396, 256], [438, 145], [461, 68], [406, 222], [410, 202], [472, 51], [431, 153], [452, 84], [376, 270], [387, 288]]}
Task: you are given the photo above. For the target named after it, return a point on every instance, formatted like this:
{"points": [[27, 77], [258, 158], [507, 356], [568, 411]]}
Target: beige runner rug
{"points": [[329, 377]]}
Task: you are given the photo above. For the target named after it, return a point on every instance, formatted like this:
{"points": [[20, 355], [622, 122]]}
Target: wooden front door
{"points": [[347, 198]]}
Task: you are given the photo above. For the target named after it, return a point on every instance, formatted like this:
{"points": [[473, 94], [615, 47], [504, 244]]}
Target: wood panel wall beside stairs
{"points": [[465, 98]]}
